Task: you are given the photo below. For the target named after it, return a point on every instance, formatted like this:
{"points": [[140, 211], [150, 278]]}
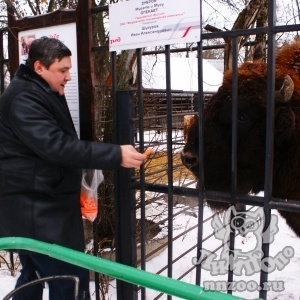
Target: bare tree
{"points": [[255, 11]]}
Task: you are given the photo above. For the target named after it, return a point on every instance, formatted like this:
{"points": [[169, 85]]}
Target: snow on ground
{"points": [[290, 274]]}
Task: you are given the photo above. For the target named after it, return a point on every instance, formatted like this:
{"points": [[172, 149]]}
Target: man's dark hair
{"points": [[46, 50]]}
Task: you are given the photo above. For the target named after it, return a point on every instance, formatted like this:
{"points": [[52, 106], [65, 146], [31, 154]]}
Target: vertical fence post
{"points": [[125, 211], [1, 62]]}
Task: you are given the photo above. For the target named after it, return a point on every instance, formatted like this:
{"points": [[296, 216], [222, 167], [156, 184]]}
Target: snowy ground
{"points": [[290, 274]]}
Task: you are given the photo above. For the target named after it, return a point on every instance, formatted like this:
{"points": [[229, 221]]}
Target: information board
{"points": [[143, 23]]}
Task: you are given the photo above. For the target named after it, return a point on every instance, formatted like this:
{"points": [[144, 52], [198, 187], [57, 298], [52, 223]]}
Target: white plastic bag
{"points": [[90, 182]]}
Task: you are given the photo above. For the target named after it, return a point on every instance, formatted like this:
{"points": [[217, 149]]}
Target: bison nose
{"points": [[188, 160]]}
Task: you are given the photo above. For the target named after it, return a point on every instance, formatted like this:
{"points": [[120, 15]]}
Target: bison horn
{"points": [[286, 91]]}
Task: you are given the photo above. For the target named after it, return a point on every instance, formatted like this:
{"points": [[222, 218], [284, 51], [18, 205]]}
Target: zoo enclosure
{"points": [[168, 191], [160, 127]]}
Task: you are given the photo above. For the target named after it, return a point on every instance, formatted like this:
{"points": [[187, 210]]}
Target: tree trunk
{"points": [[260, 41], [245, 19]]}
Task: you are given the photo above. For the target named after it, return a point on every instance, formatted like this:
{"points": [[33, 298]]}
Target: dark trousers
{"points": [[45, 266]]}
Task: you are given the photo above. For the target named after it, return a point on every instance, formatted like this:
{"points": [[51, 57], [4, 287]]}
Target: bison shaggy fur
{"points": [[251, 132]]}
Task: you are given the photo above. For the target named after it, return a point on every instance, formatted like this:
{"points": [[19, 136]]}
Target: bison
{"points": [[251, 132]]}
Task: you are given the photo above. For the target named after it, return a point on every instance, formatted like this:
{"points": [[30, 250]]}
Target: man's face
{"points": [[57, 75]]}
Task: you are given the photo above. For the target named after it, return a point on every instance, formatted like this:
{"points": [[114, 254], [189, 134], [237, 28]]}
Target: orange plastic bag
{"points": [[91, 180]]}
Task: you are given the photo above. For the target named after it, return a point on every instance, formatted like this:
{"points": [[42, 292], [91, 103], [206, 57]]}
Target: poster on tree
{"points": [[153, 23]]}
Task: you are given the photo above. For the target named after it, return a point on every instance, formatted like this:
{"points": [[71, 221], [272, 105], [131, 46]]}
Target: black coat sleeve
{"points": [[41, 123]]}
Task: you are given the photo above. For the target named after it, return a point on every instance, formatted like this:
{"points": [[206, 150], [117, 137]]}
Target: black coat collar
{"points": [[27, 73]]}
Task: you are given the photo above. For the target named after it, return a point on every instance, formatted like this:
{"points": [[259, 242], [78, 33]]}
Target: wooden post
{"points": [[85, 69]]}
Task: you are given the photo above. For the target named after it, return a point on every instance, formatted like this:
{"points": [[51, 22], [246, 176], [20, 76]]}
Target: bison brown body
{"points": [[251, 133]]}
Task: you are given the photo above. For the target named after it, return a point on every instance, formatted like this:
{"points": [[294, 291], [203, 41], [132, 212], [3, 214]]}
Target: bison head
{"points": [[251, 132]]}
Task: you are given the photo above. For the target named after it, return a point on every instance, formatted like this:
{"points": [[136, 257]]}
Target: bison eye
{"points": [[243, 118]]}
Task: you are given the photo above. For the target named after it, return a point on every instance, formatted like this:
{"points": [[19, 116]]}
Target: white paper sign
{"points": [[67, 34], [143, 23]]}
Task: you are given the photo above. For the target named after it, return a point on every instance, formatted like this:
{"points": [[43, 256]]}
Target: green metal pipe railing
{"points": [[116, 270]]}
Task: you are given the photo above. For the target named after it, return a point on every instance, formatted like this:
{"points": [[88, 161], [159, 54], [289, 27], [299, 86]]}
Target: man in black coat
{"points": [[41, 162]]}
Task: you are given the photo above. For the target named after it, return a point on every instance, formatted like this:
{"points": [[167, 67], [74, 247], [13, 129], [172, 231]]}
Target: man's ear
{"points": [[38, 67]]}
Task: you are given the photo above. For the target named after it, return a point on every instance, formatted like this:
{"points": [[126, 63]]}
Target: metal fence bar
{"points": [[170, 161], [122, 272], [142, 169], [200, 194], [234, 109], [268, 186], [125, 213]]}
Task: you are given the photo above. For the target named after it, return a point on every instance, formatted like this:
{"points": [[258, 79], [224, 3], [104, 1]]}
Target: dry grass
{"points": [[156, 169]]}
